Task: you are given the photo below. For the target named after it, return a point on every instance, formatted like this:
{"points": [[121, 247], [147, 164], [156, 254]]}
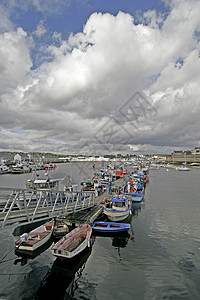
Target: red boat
{"points": [[73, 243]]}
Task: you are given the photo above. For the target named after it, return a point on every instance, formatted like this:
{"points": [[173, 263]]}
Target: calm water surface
{"points": [[158, 259]]}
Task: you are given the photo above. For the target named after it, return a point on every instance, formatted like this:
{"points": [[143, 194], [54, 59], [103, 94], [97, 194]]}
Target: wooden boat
{"points": [[60, 229], [35, 238], [118, 208], [110, 227], [73, 243], [23, 255]]}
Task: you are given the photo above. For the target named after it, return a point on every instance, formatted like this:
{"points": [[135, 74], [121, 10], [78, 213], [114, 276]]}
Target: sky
{"points": [[99, 77]]}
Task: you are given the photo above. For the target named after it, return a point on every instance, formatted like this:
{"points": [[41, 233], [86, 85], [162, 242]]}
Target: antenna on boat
{"points": [[69, 179]]}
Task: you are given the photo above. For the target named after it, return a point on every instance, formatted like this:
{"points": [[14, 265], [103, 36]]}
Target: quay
{"points": [[25, 205]]}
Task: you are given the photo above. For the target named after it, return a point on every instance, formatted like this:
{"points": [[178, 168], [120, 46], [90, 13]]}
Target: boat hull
{"points": [[36, 238], [73, 243], [114, 215], [110, 227]]}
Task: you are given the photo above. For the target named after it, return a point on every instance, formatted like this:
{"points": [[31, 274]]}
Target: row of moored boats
{"points": [[115, 218]]}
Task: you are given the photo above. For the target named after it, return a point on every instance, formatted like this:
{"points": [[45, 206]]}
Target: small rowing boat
{"points": [[60, 229], [73, 243], [110, 227], [35, 238]]}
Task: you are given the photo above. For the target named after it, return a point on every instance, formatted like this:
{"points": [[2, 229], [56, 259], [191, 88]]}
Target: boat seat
{"points": [[38, 234], [30, 242], [48, 227]]}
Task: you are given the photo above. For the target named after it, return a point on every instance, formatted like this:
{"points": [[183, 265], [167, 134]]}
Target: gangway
{"points": [[27, 205]]}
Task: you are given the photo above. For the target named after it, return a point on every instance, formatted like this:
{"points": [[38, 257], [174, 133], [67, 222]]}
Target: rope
{"points": [[6, 255]]}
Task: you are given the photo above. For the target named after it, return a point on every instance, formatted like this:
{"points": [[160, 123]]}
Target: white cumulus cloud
{"points": [[115, 85]]}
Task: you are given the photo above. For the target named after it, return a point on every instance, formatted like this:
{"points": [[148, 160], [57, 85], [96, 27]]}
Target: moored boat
{"points": [[109, 227], [134, 190], [118, 208], [73, 243], [195, 165], [3, 169], [60, 229], [35, 238], [182, 169]]}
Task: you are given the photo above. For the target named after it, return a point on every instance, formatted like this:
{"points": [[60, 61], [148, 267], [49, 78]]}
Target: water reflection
{"points": [[137, 208], [60, 282], [24, 256]]}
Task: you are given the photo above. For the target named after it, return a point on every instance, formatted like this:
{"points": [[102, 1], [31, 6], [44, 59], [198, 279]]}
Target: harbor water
{"points": [[159, 258]]}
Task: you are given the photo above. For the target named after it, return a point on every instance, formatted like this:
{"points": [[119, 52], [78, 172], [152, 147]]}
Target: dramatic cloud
{"points": [[116, 86]]}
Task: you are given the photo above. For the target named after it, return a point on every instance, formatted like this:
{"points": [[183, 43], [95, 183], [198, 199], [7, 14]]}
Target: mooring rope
{"points": [[6, 255]]}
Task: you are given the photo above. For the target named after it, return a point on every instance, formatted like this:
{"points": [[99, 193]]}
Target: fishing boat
{"points": [[35, 238], [118, 208], [109, 227], [73, 243], [134, 190], [50, 166], [42, 186], [43, 183]]}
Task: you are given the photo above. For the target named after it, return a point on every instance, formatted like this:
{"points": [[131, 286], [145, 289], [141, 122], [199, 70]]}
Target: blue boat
{"points": [[134, 190], [109, 227]]}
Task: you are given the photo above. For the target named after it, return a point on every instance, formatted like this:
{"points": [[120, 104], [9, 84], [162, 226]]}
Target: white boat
{"points": [[43, 183], [3, 169], [73, 243], [182, 169], [118, 208], [35, 238], [196, 165]]}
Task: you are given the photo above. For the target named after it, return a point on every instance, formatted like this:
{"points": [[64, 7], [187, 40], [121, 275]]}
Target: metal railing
{"points": [[27, 205]]}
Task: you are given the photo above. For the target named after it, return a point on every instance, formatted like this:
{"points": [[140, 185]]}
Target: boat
{"points": [[183, 169], [20, 169], [63, 275], [71, 188], [134, 190], [60, 229], [35, 238], [22, 256], [109, 227], [73, 242], [43, 183], [39, 185], [195, 164], [118, 208], [50, 166], [3, 169]]}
